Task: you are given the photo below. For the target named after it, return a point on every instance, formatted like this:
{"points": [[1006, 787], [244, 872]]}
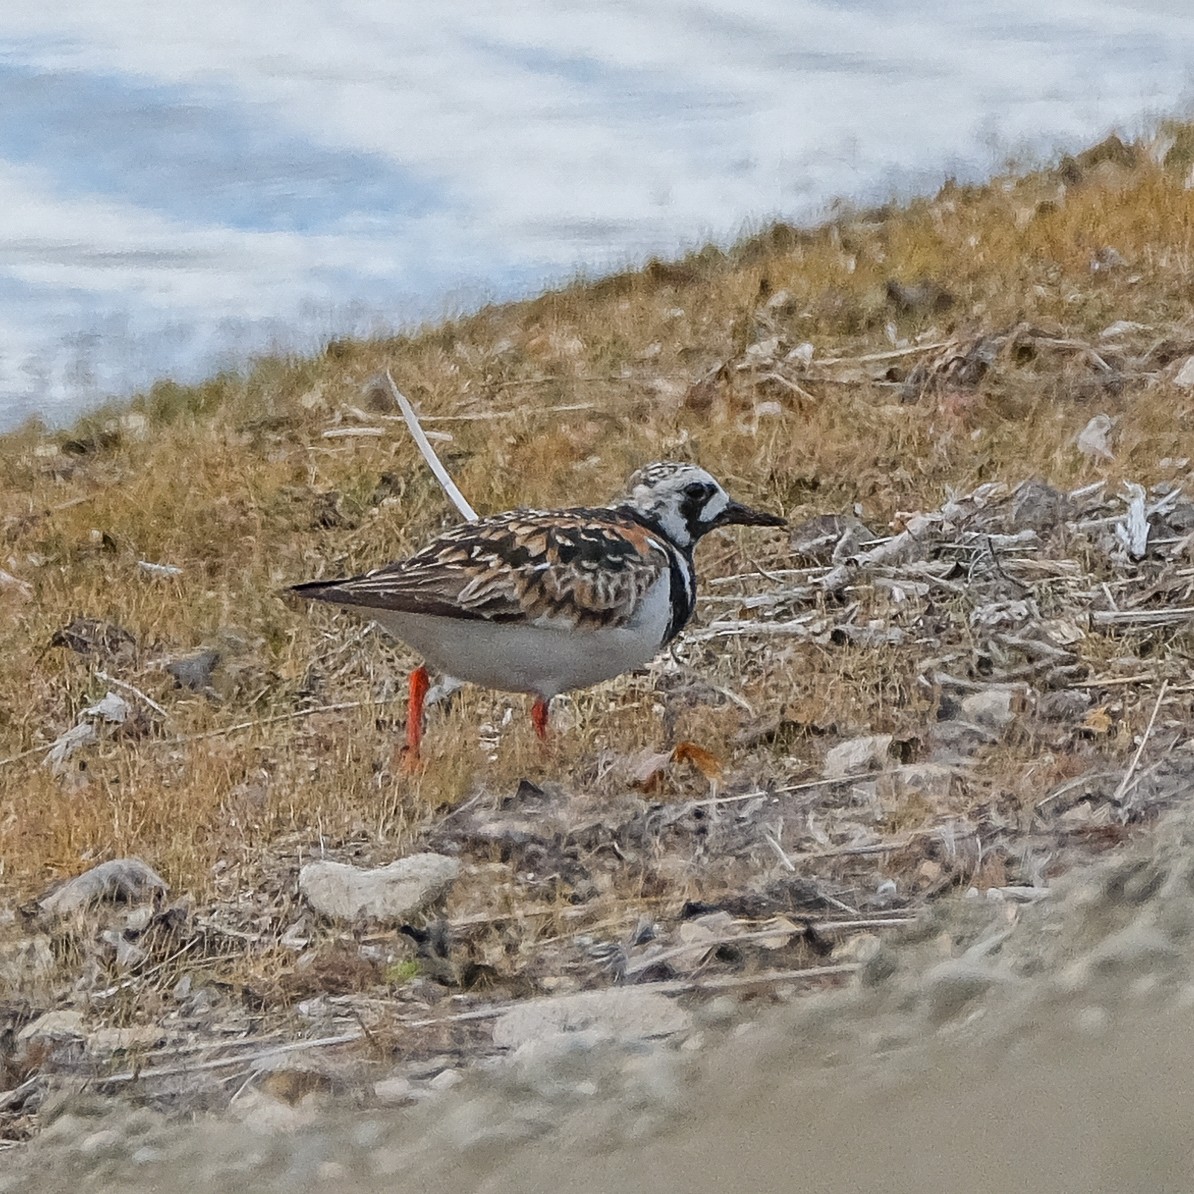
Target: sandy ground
{"points": [[992, 1047]]}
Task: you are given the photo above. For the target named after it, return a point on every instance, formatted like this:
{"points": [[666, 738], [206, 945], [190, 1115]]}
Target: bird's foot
{"points": [[419, 684], [539, 715]]}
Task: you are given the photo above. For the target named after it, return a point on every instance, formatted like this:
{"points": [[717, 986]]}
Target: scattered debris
{"points": [[159, 569], [65, 745], [828, 538], [91, 636], [893, 707]]}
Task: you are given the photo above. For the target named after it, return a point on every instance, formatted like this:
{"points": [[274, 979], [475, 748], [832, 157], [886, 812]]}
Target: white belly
{"points": [[543, 659]]}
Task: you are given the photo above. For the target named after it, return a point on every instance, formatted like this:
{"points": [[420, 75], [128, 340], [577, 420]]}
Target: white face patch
{"points": [[715, 506]]}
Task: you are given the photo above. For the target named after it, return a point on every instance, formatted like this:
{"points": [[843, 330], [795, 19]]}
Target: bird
{"points": [[548, 601]]}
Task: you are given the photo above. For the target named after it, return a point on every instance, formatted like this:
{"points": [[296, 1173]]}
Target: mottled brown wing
{"points": [[578, 567]]}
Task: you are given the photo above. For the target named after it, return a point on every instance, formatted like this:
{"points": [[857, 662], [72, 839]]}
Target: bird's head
{"points": [[686, 502]]}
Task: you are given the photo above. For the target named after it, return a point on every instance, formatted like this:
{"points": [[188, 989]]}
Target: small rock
{"points": [[194, 671], [952, 985], [861, 947], [930, 871], [103, 1042], [993, 708], [268, 1116], [11, 586], [122, 879], [1092, 439], [856, 755], [394, 1092], [782, 302], [763, 352], [54, 1026], [1066, 704], [127, 953], [111, 708], [1136, 948], [620, 1014], [1082, 815], [1184, 377], [1106, 259], [446, 1079], [1037, 506], [1122, 327], [138, 919], [389, 893], [954, 741], [106, 1140]]}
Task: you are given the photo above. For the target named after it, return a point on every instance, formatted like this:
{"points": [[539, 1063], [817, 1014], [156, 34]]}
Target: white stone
{"points": [[1121, 327], [856, 756], [1184, 377], [102, 1042], [1092, 439], [111, 707], [993, 708], [763, 351], [55, 1026], [394, 1092], [388, 893]]}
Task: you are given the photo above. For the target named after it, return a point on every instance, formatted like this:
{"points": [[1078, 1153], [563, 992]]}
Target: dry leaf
{"points": [[1097, 721], [705, 761], [785, 930]]}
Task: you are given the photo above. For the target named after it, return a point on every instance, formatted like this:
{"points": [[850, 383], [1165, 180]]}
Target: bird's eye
{"points": [[696, 489]]}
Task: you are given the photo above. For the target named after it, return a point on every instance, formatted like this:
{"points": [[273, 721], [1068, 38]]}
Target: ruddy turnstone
{"points": [[546, 601]]}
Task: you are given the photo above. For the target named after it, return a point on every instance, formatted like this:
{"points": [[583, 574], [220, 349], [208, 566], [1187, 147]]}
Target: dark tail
{"points": [[316, 590]]}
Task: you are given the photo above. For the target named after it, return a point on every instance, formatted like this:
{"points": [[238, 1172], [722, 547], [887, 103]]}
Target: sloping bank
{"points": [[993, 1047]]}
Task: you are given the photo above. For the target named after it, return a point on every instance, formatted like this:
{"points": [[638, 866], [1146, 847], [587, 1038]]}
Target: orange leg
{"points": [[539, 713], [419, 684]]}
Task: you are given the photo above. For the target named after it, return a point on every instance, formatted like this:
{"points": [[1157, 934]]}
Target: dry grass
{"points": [[234, 483]]}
